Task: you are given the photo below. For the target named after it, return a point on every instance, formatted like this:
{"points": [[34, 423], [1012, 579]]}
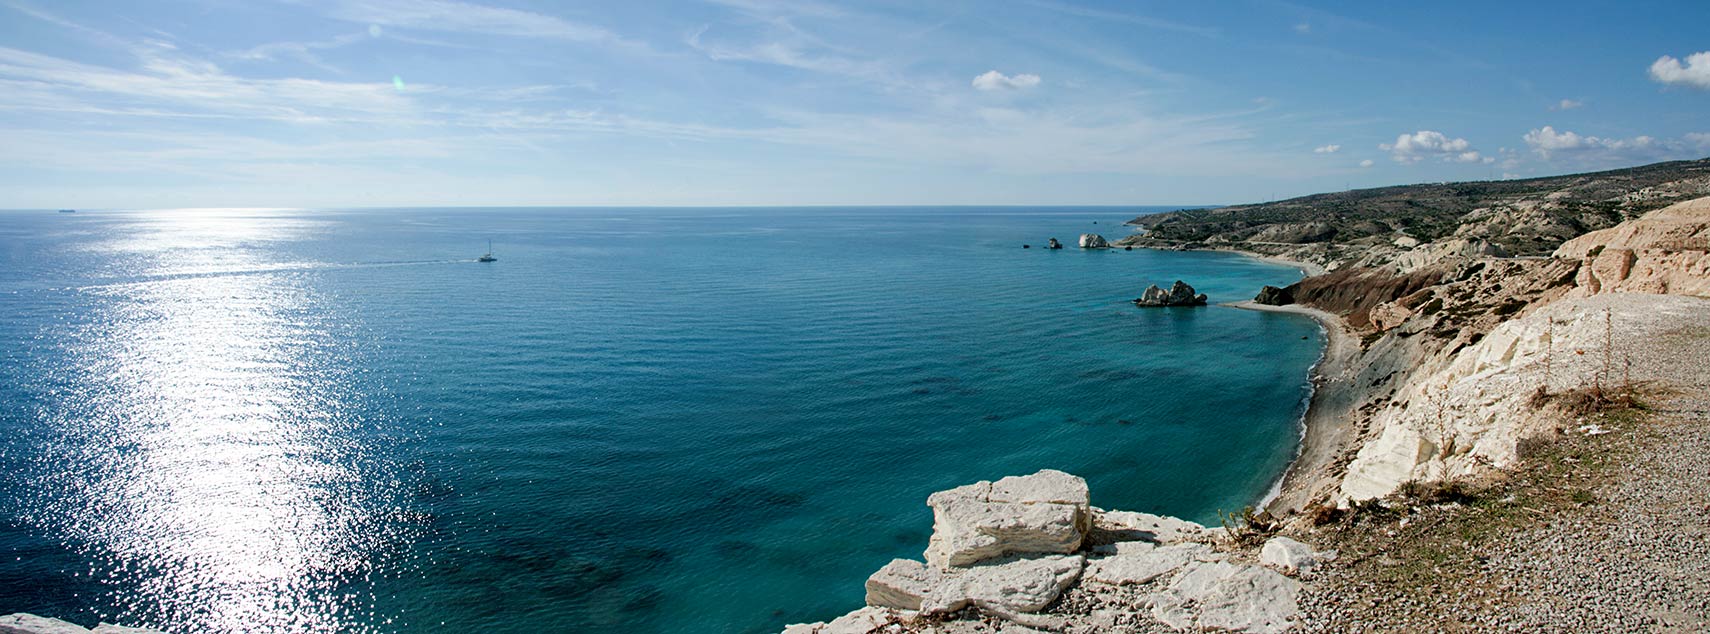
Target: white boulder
{"points": [[1093, 241], [1288, 555], [1046, 512], [1025, 585]]}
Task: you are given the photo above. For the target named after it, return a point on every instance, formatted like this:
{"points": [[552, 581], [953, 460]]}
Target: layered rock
{"points": [[1465, 413], [1666, 251], [1180, 294], [23, 623], [1093, 241], [1042, 513], [1164, 569]]}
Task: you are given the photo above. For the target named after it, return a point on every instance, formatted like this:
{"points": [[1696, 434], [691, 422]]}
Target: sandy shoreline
{"points": [[1333, 395]]}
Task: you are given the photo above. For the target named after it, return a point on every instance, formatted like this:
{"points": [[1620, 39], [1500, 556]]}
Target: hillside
{"points": [[1516, 217]]}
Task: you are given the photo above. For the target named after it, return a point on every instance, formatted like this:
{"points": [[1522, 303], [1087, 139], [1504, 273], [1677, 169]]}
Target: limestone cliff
{"points": [[1455, 351]]}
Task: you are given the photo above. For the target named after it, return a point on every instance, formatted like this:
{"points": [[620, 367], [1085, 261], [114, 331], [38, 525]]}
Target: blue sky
{"points": [[322, 103]]}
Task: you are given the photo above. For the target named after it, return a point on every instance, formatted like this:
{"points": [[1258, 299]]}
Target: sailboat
{"points": [[489, 256]]}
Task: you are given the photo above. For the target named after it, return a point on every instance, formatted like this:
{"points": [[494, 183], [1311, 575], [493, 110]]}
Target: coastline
{"points": [[1322, 431]]}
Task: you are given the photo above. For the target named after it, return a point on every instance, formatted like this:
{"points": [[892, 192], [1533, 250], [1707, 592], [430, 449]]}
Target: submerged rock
{"points": [[1180, 294], [1273, 296], [1093, 241], [1047, 512]]}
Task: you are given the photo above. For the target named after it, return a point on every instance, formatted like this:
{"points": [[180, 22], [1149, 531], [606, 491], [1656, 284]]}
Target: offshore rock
{"points": [[1273, 296], [1093, 241], [1180, 294], [1046, 512], [1053, 244]]}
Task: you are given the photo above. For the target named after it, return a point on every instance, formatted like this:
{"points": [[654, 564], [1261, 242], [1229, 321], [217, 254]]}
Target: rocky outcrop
{"points": [[1093, 241], [1666, 251], [1042, 513], [1151, 568], [23, 623], [1273, 296], [1053, 244], [1180, 294], [1465, 413]]}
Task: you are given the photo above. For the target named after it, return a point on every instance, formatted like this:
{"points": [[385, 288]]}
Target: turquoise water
{"points": [[637, 420]]}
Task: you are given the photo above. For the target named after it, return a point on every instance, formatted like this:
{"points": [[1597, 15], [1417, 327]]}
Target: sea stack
{"points": [[1273, 296], [1053, 244], [1093, 241], [1180, 294]]}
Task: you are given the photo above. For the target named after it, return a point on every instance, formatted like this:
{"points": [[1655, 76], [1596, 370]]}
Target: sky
{"points": [[363, 103]]}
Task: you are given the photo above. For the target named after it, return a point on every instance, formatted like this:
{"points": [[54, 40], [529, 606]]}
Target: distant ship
{"points": [[489, 256], [68, 211]]}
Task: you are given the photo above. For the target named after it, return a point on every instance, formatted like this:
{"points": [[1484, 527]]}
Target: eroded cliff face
{"points": [[1663, 252], [1449, 370]]}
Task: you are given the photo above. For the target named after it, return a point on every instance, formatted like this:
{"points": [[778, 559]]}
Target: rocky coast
{"points": [[1484, 430]]}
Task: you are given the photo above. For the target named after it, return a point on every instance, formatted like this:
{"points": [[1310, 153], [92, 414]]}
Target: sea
{"points": [[638, 420]]}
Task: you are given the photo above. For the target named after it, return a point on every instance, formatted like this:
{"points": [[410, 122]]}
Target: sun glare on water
{"points": [[212, 454]]}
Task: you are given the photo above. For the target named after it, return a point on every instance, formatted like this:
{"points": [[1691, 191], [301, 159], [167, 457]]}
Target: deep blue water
{"points": [[637, 420]]}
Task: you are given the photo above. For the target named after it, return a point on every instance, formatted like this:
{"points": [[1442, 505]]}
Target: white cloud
{"points": [[1366, 163], [1567, 104], [1303, 27], [1412, 148], [1327, 149], [993, 80], [1549, 143], [1695, 72]]}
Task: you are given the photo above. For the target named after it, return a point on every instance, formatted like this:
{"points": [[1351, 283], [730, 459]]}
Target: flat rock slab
{"points": [[903, 584], [1291, 556], [1047, 512], [1229, 597], [1143, 567], [1025, 585]]}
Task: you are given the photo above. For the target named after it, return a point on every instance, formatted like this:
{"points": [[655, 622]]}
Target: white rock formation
{"points": [[868, 620], [1093, 241], [1666, 251], [23, 623], [903, 584], [1046, 512], [1467, 414], [1291, 556], [1222, 596], [1024, 585], [1143, 567]]}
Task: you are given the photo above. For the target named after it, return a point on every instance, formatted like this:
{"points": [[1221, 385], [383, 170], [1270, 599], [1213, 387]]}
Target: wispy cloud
{"points": [[992, 80], [1130, 18], [1327, 149], [466, 17]]}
